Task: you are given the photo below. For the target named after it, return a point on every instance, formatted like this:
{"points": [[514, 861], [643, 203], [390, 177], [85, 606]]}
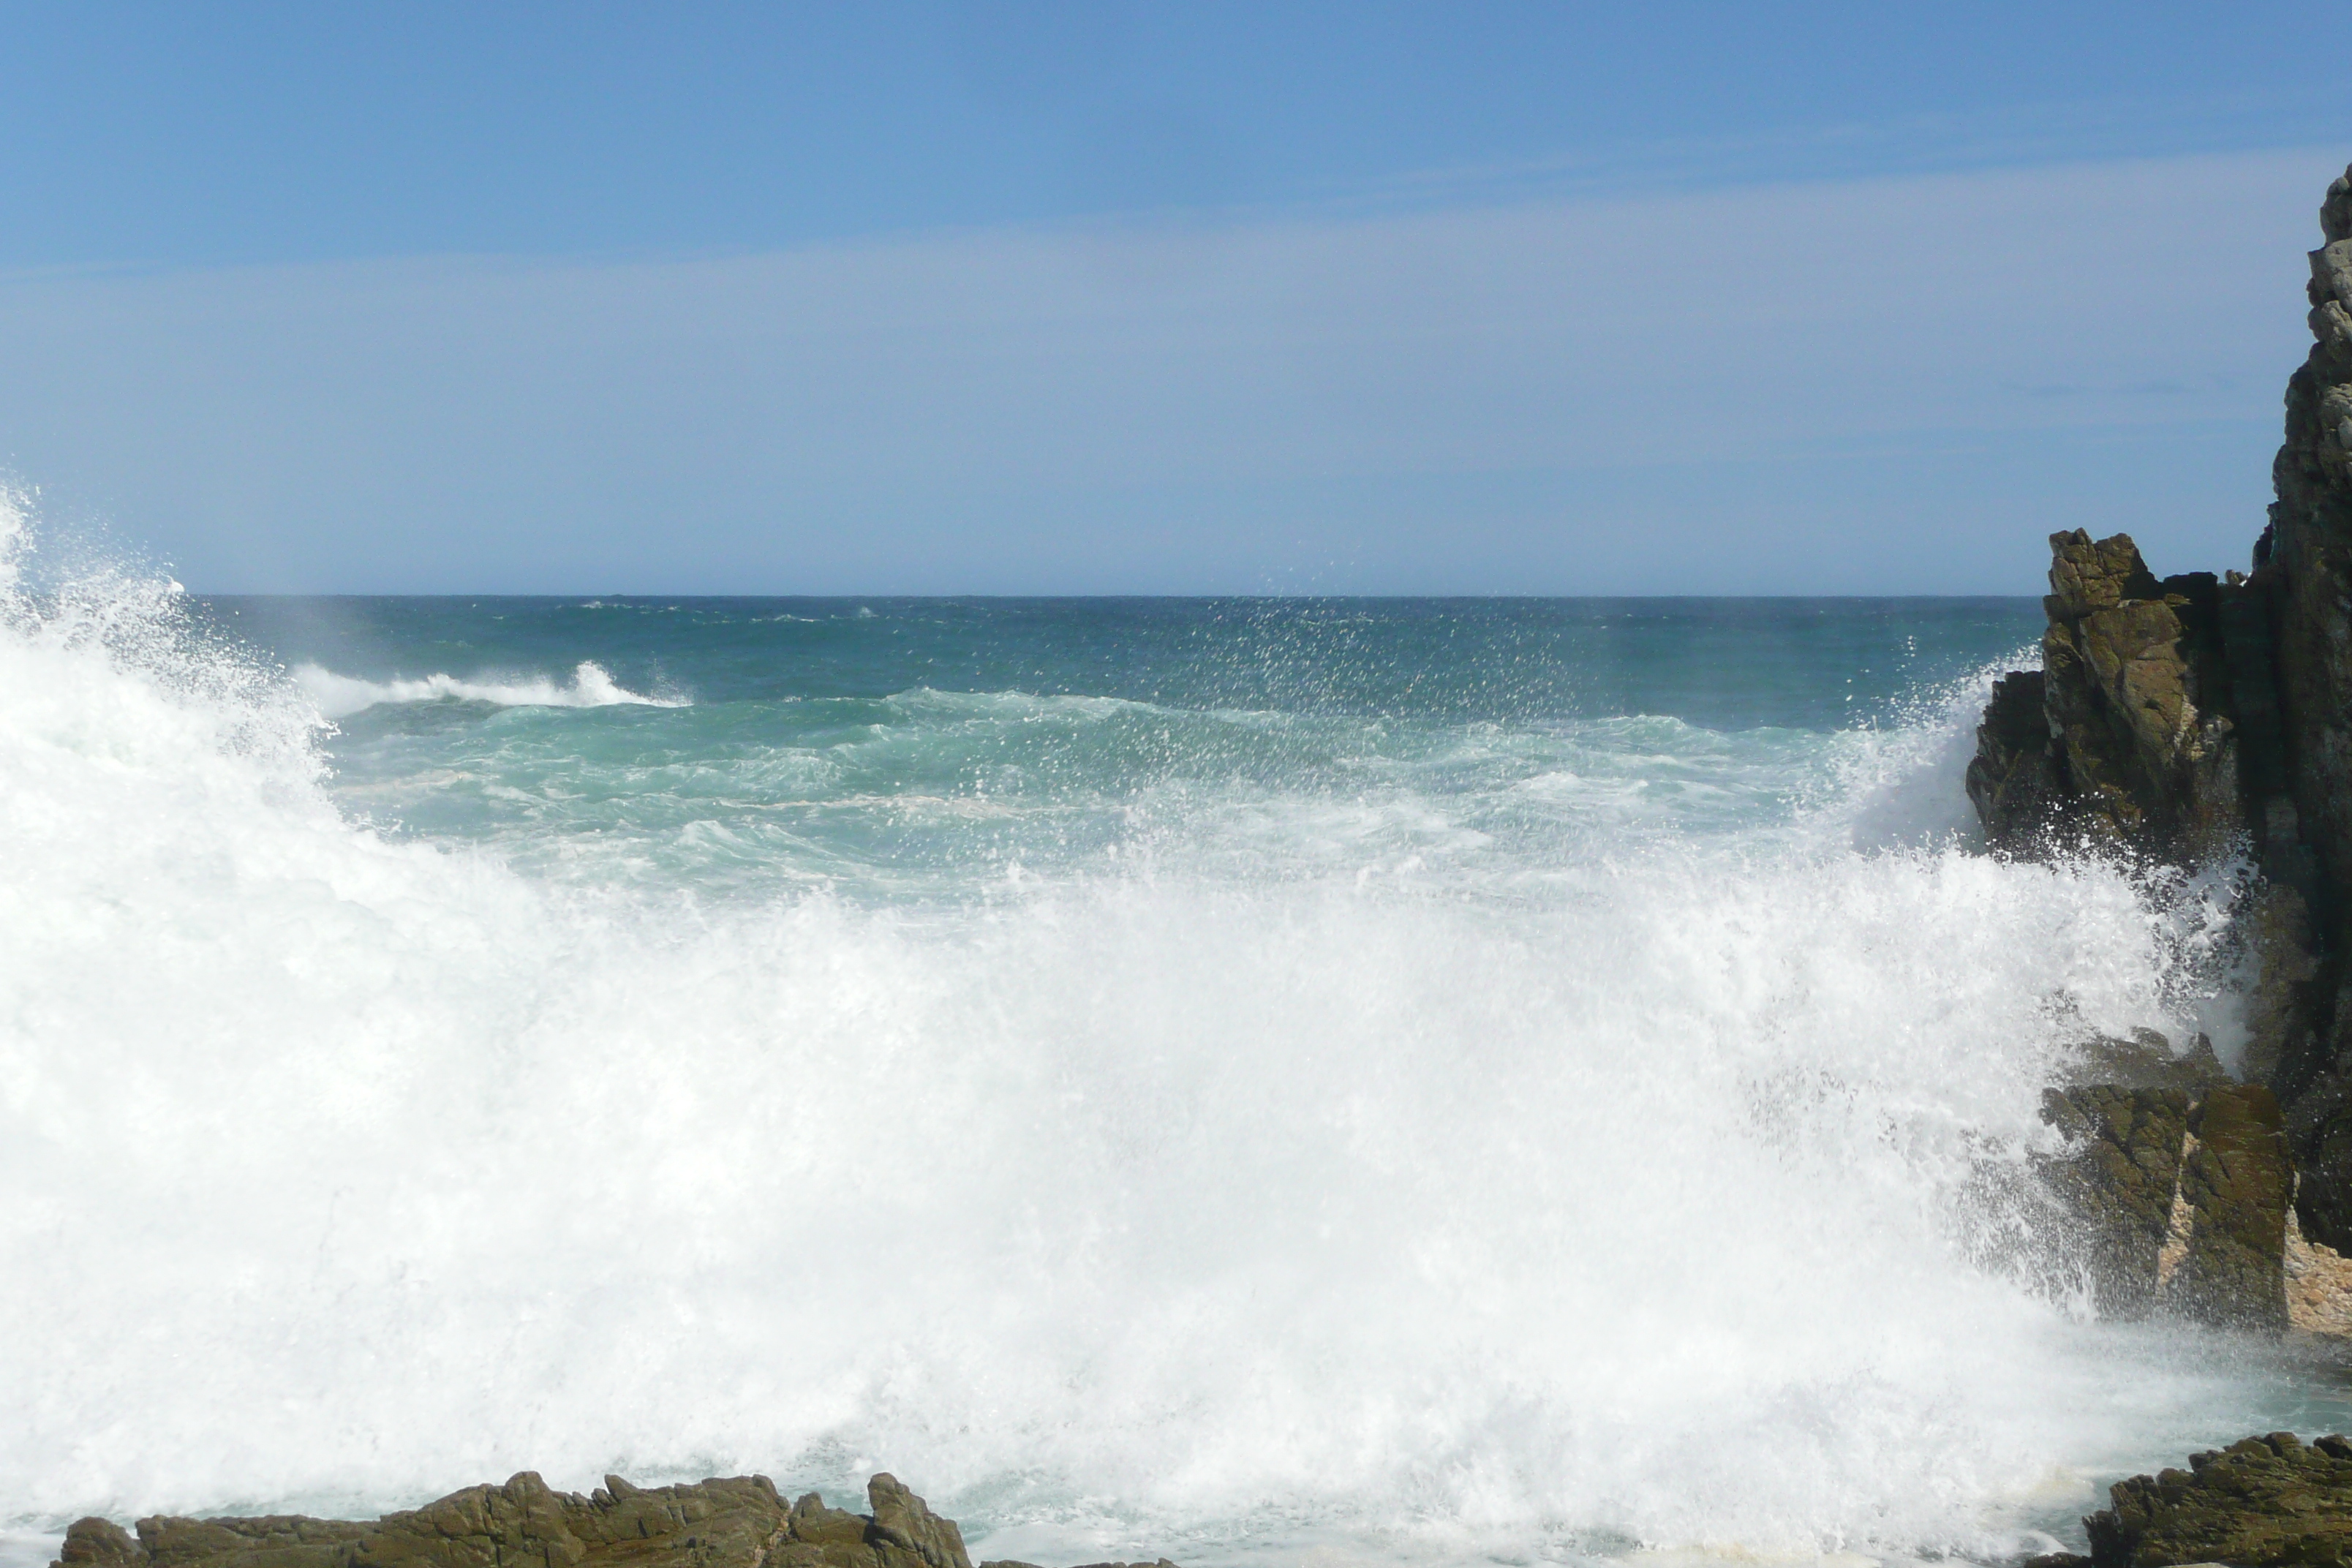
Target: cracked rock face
{"points": [[739, 1522], [2123, 734], [2176, 1199]]}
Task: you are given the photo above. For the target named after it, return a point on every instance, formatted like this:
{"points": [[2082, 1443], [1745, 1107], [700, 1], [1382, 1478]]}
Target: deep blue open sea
{"points": [[1251, 1080]]}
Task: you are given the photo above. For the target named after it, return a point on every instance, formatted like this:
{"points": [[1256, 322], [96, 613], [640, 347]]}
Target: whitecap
{"points": [[339, 696]]}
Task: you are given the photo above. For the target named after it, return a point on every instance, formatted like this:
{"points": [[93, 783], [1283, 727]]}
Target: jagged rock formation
{"points": [[2123, 735], [2238, 1184], [2183, 719], [2303, 564], [2153, 728], [2258, 1502], [741, 1522]]}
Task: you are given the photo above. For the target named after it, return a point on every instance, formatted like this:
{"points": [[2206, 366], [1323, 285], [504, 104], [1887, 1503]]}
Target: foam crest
{"points": [[1629, 1205], [339, 696]]}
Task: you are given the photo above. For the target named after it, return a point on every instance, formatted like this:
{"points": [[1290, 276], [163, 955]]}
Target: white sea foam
{"points": [[339, 696], [1119, 1214]]}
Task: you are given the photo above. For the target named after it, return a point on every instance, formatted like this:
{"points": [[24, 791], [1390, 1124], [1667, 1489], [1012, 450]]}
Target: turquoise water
{"points": [[908, 747], [1258, 1081]]}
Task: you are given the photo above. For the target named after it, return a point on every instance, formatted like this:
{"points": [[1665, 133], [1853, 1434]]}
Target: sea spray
{"points": [[1607, 1187]]}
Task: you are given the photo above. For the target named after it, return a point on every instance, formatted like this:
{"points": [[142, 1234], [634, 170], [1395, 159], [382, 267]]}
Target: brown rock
{"points": [[2117, 1184], [2238, 1184], [2263, 1502], [2304, 557], [738, 1522], [901, 1519], [2147, 1060], [98, 1543], [2016, 782], [2184, 716], [2318, 1286], [2134, 689]]}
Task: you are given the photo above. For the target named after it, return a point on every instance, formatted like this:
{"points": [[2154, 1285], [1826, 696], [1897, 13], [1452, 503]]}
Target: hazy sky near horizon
{"points": [[1155, 299]]}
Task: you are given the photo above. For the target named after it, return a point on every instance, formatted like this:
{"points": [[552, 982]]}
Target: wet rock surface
{"points": [[2258, 1502], [2125, 735], [2119, 1184], [2016, 780], [2237, 1183], [2176, 1192], [2183, 722], [738, 1522]]}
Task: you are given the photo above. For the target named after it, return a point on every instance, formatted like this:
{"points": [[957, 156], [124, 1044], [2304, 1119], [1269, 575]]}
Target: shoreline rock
{"points": [[739, 1521]]}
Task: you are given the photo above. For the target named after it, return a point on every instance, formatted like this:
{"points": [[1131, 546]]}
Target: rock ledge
{"points": [[739, 1521]]}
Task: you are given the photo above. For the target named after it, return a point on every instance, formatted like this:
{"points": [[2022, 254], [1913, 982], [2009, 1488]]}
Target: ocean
{"points": [[1250, 1080]]}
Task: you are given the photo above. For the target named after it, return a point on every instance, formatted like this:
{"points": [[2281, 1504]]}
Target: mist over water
{"points": [[1413, 1082]]}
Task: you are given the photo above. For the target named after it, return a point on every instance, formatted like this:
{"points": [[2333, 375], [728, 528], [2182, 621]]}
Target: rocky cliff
{"points": [[2303, 565], [2183, 722]]}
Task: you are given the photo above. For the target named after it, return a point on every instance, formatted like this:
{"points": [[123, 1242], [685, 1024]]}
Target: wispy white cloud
{"points": [[1386, 400]]}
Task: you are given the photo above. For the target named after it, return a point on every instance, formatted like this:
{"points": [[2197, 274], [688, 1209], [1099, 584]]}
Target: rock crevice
{"points": [[2260, 1503], [2179, 1201]]}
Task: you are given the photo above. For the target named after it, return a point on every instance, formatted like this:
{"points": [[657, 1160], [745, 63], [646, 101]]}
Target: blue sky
{"points": [[1105, 298]]}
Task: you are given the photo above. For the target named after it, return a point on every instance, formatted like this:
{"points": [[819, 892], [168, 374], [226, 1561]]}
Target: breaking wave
{"points": [[1618, 1200]]}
